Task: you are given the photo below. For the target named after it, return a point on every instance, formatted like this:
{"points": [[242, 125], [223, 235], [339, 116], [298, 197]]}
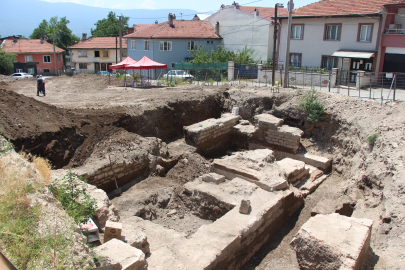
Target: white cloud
{"points": [[99, 3], [148, 4]]}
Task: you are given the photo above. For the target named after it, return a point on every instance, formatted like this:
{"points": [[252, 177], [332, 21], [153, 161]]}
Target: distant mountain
{"points": [[21, 17]]}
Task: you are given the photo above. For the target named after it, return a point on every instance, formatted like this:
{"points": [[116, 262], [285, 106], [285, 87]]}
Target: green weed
{"points": [[310, 103], [372, 139]]}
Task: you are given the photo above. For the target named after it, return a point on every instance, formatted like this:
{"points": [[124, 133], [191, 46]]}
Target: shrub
{"points": [[71, 193], [5, 145], [372, 139], [310, 103]]}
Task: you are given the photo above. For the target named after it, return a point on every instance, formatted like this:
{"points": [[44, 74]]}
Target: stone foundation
{"points": [[212, 136]]}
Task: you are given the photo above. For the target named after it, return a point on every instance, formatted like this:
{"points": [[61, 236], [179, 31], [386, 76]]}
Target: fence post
{"points": [[320, 81], [382, 87], [395, 86], [360, 74], [231, 70], [329, 82]]}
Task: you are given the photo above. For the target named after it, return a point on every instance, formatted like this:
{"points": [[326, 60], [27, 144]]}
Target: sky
{"points": [[200, 6]]}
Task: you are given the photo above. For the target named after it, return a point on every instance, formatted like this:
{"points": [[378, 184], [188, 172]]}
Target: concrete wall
{"points": [[239, 28], [297, 78], [312, 46]]}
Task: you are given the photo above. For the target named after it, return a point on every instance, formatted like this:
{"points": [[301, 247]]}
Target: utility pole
{"points": [[54, 53], [287, 51], [116, 49], [120, 33], [274, 46]]}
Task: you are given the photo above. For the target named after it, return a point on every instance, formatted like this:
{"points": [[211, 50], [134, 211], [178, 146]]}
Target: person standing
{"points": [[40, 85], [43, 84]]}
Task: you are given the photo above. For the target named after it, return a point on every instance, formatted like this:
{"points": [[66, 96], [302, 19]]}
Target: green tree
{"points": [[200, 55], [58, 28], [6, 62], [109, 27]]}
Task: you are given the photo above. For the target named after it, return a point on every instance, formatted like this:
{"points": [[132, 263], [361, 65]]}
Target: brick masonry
{"points": [[272, 132], [212, 136]]}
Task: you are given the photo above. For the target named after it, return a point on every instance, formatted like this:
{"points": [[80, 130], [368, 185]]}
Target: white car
{"points": [[21, 75], [178, 74]]}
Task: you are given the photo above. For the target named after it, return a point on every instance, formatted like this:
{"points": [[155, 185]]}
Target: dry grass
{"points": [[13, 177], [43, 169]]}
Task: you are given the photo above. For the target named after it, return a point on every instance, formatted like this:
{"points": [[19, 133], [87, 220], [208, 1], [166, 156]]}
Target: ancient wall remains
{"points": [[212, 136], [273, 133]]}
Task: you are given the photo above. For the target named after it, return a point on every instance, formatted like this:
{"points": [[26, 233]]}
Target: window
{"points": [[329, 62], [47, 70], [146, 45], [165, 45], [82, 53], [28, 58], [365, 32], [18, 71], [332, 31], [30, 71], [47, 58], [133, 44], [192, 45], [105, 53], [96, 53], [124, 53], [82, 65], [172, 65], [295, 60], [297, 31]]}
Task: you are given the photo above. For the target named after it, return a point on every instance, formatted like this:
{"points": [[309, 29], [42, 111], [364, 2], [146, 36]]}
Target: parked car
{"points": [[104, 73], [179, 74], [21, 75]]}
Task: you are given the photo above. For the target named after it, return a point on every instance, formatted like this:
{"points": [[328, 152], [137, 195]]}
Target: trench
{"points": [[173, 206]]}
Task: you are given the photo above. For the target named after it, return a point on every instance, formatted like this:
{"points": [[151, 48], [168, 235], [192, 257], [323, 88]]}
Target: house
{"points": [[170, 42], [96, 54], [334, 34], [241, 26], [392, 46], [35, 56]]}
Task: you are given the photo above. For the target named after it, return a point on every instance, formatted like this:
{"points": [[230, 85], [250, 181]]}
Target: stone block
{"points": [[213, 177], [332, 242], [244, 207], [291, 168], [121, 254], [268, 120], [136, 239]]}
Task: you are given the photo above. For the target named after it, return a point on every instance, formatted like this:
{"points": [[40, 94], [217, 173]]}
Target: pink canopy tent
{"points": [[123, 64], [146, 63]]}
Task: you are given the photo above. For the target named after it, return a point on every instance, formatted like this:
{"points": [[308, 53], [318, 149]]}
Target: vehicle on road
{"points": [[21, 75], [178, 74], [104, 73]]}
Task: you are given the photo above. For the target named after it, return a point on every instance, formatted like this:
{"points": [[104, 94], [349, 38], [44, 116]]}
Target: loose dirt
{"points": [[80, 111]]}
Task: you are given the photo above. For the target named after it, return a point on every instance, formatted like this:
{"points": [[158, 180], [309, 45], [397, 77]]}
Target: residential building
{"points": [[334, 34], [35, 56], [96, 54], [241, 26], [392, 47], [170, 42]]}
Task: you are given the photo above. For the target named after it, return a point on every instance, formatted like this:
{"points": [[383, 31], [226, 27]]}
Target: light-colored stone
{"points": [[213, 177], [332, 242], [120, 253], [268, 119], [137, 239], [291, 168], [244, 207]]}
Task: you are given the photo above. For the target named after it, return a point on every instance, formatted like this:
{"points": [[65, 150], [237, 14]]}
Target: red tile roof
{"points": [[181, 29], [29, 46], [342, 7], [140, 27], [264, 12], [99, 43]]}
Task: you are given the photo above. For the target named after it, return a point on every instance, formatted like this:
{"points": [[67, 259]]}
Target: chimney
{"points": [[256, 12], [156, 22], [84, 37], [14, 39], [222, 6], [131, 29], [217, 28], [41, 39], [170, 20], [237, 5]]}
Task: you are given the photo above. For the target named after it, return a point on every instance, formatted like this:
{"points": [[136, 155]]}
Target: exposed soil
{"points": [[80, 111]]}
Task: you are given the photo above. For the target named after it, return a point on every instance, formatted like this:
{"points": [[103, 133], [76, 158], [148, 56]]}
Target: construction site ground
{"points": [[82, 110]]}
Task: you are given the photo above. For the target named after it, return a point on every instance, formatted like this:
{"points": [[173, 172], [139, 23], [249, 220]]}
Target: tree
{"points": [[6, 62], [243, 57], [58, 28], [109, 27]]}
